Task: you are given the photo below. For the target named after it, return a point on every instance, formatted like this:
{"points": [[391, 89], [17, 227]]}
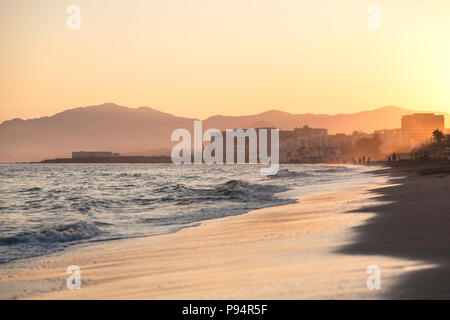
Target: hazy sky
{"points": [[203, 57]]}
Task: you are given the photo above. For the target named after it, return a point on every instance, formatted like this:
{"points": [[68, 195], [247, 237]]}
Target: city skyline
{"points": [[146, 131]]}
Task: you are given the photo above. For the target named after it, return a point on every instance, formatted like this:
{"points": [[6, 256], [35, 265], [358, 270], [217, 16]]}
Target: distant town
{"points": [[408, 142], [421, 136]]}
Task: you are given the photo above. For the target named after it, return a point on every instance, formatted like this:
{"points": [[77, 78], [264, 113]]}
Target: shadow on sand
{"points": [[413, 223]]}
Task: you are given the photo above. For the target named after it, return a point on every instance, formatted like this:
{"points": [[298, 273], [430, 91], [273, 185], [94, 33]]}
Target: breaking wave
{"points": [[62, 233]]}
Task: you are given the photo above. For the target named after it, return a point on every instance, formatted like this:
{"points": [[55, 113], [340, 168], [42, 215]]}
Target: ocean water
{"points": [[48, 207]]}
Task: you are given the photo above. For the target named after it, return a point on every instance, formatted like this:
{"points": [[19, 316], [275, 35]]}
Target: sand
{"points": [[318, 248], [413, 223]]}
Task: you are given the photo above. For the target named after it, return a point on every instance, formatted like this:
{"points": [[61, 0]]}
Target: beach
{"points": [[413, 223], [317, 248]]}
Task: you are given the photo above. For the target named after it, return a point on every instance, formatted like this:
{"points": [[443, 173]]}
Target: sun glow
{"points": [[205, 57]]}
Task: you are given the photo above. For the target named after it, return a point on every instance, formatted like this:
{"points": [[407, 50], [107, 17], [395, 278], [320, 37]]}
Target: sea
{"points": [[48, 207]]}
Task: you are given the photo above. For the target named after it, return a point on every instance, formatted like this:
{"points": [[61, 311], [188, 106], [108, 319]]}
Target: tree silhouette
{"points": [[438, 136]]}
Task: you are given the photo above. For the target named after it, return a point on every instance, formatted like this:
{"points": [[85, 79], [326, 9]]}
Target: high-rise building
{"points": [[418, 128]]}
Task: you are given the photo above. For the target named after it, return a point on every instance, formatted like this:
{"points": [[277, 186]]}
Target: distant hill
{"points": [[382, 118], [109, 127], [103, 127]]}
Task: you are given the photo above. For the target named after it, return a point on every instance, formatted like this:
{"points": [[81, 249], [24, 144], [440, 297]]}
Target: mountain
{"points": [[103, 127], [109, 127], [382, 118]]}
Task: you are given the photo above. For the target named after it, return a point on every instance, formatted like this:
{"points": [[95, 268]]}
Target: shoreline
{"points": [[288, 197], [317, 248], [281, 252]]}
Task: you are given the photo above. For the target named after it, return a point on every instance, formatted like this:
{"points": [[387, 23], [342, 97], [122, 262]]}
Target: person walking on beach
{"points": [[394, 157], [389, 158]]}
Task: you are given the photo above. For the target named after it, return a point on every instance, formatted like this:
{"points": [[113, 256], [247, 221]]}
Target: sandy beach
{"points": [[413, 223], [318, 248]]}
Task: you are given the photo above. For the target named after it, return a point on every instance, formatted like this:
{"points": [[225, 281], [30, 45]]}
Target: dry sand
{"points": [[288, 252]]}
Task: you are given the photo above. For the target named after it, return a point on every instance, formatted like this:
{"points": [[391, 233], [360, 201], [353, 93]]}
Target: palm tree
{"points": [[438, 136]]}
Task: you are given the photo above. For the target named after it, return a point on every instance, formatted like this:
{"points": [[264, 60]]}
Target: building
{"points": [[358, 135], [391, 140], [418, 128], [304, 144], [241, 144], [340, 139], [307, 131], [93, 154], [446, 154]]}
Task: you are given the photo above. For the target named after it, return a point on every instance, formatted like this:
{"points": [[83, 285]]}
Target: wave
{"points": [[231, 190], [31, 189], [241, 196], [55, 234], [285, 173], [333, 169], [244, 191]]}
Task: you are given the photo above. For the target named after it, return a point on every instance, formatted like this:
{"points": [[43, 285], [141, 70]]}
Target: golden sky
{"points": [[202, 57]]}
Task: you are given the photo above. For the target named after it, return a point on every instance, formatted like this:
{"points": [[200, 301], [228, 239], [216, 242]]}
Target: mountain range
{"points": [[145, 131]]}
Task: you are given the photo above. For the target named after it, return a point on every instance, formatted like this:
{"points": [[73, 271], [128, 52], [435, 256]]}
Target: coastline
{"points": [[283, 252]]}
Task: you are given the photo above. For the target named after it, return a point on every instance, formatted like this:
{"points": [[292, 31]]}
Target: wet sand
{"points": [[414, 224]]}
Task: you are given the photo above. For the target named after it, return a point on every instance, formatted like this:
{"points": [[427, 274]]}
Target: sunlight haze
{"points": [[198, 58]]}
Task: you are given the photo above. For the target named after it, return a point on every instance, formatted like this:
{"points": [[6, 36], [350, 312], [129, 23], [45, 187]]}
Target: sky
{"points": [[199, 58]]}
